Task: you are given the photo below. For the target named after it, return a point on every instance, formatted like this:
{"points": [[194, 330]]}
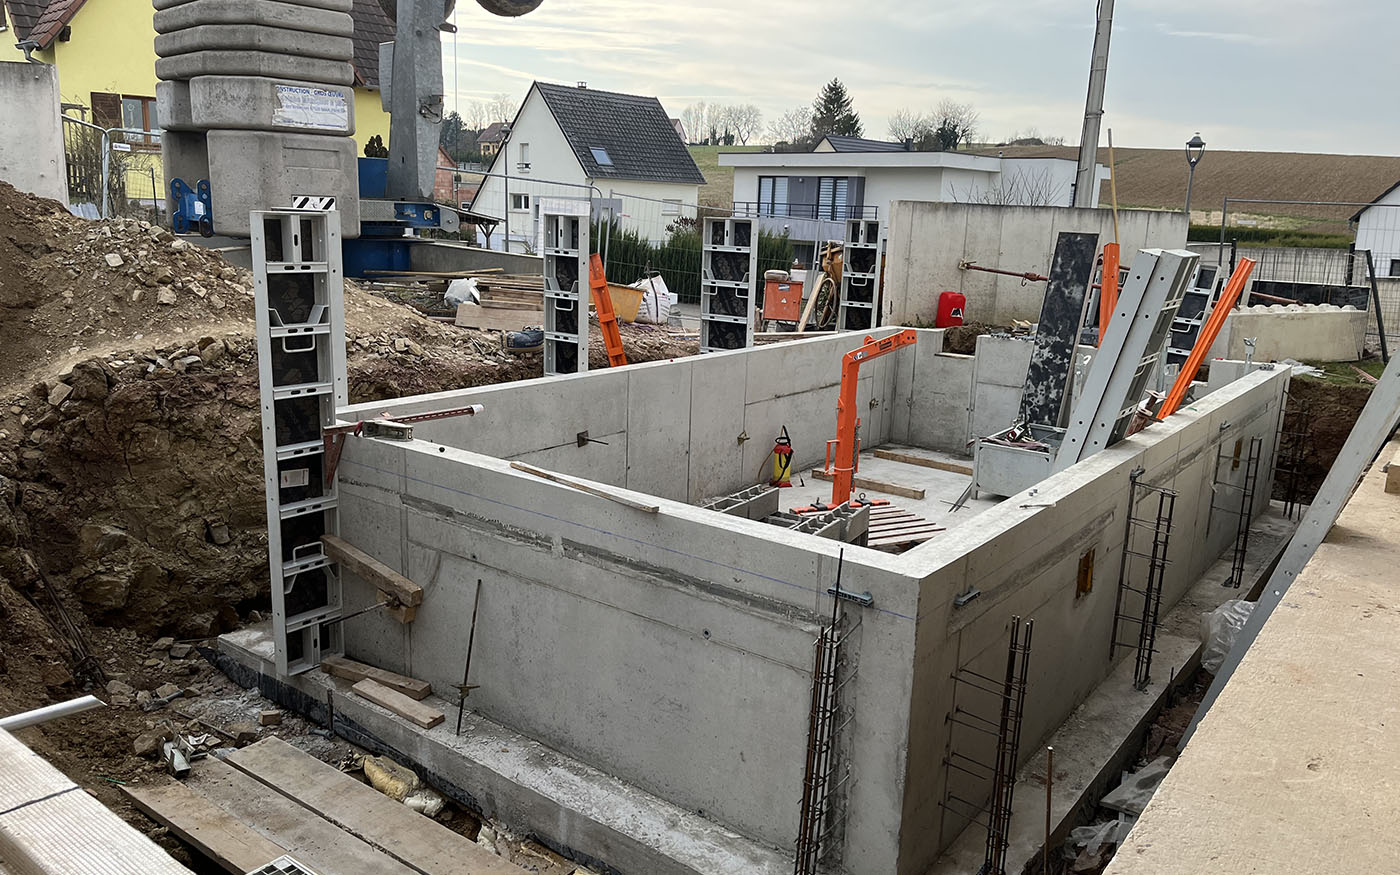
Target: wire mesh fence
{"points": [[113, 172]]}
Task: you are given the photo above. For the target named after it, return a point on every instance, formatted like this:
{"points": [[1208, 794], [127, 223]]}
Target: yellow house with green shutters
{"points": [[105, 54]]}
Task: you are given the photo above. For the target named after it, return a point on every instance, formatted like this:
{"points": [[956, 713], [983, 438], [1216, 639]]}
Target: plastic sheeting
{"points": [[1219, 629]]}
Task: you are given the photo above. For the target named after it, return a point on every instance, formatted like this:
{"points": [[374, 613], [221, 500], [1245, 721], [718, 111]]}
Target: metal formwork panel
{"points": [[1047, 379], [728, 283], [1128, 356], [565, 247], [299, 291], [859, 276]]}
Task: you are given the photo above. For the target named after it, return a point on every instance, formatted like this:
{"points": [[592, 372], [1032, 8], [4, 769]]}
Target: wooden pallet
{"points": [[894, 529]]}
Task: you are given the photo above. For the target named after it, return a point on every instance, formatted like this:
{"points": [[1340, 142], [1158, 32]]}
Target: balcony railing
{"points": [[813, 212]]}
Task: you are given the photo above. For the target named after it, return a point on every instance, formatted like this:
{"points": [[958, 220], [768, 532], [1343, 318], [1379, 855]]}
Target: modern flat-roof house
{"points": [[810, 195], [572, 142]]}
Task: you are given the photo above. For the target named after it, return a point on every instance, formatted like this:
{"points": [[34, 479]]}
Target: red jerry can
{"points": [[950, 309]]}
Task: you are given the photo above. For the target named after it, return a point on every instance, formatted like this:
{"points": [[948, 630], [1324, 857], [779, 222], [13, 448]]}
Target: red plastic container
{"points": [[950, 309]]}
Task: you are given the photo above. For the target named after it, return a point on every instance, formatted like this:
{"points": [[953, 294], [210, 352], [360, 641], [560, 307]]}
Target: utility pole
{"points": [[1086, 180]]}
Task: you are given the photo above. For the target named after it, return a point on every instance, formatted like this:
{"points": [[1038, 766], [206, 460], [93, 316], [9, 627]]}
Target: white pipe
{"points": [[50, 712]]}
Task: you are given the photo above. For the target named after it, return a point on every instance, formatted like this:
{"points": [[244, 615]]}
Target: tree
{"points": [[474, 116], [502, 108], [450, 134], [954, 124], [834, 113], [747, 120], [693, 119], [905, 124], [793, 127]]}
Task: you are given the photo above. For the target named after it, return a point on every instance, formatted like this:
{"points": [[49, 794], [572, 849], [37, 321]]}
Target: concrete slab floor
{"points": [[1295, 767], [941, 488], [1096, 739]]}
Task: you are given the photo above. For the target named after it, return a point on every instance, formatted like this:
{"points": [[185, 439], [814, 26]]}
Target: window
{"points": [[1395, 267], [671, 207], [520, 203], [773, 196], [524, 158], [139, 114], [833, 198], [601, 156]]}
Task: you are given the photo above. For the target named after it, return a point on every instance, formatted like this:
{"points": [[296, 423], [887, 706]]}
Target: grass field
{"points": [[718, 190]]}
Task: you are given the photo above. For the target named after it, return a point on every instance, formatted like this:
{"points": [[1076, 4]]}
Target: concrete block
{"points": [[253, 38], [173, 107], [237, 63], [254, 103], [31, 132], [289, 165], [268, 13]]}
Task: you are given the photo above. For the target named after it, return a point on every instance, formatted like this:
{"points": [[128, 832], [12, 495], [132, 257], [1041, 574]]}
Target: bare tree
{"points": [[905, 124], [720, 123], [474, 115], [1022, 189], [503, 107], [693, 118], [954, 123], [793, 127], [747, 120]]}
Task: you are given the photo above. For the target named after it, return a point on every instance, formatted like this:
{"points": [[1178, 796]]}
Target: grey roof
{"points": [[494, 132], [1380, 197], [24, 14], [372, 27], [860, 144], [634, 132]]}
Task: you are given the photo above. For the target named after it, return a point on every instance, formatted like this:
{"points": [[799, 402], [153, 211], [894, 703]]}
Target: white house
{"points": [[810, 195], [1378, 231], [578, 142]]}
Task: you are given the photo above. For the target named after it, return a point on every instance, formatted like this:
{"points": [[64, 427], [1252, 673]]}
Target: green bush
{"points": [[1270, 237], [678, 258]]}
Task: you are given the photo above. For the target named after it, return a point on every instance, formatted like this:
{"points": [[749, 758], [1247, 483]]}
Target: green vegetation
{"points": [[718, 190], [678, 258], [1341, 373], [1270, 237]]}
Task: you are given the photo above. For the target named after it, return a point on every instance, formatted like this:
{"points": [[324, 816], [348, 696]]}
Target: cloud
{"points": [[1250, 39]]}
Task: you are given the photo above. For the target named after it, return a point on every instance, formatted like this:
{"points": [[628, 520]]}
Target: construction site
{"points": [[979, 538]]}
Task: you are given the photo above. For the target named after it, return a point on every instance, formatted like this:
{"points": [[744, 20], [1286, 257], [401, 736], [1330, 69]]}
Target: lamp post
{"points": [[1195, 148]]}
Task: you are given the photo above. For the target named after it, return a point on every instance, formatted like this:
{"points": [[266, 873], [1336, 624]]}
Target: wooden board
{"points": [[859, 482], [497, 319], [315, 841], [371, 570], [364, 812], [489, 303], [215, 833], [351, 670], [923, 462], [410, 710], [584, 487]]}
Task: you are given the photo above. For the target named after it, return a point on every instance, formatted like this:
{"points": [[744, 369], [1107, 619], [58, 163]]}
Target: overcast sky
{"points": [[1280, 75]]}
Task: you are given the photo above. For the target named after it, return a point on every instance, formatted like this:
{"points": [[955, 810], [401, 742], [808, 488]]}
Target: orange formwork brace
{"points": [[843, 462], [602, 300], [1108, 287], [1209, 332]]}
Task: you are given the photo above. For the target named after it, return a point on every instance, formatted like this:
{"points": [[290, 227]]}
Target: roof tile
{"points": [[634, 132]]}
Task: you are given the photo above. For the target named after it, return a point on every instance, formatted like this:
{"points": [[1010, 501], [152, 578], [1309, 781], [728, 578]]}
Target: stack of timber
{"points": [[509, 302]]}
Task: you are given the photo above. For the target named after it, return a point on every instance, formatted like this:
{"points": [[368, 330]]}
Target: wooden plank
{"points": [[215, 833], [584, 487], [905, 530], [351, 670], [496, 319], [896, 540], [923, 462], [860, 482], [315, 841], [371, 570], [488, 303], [364, 812], [410, 710]]}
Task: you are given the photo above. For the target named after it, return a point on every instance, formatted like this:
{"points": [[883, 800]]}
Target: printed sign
{"points": [[308, 107]]}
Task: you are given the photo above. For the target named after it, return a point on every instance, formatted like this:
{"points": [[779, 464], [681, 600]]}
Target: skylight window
{"points": [[601, 156]]}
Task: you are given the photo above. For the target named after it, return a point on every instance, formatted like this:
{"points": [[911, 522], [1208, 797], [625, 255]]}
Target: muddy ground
{"points": [[131, 497]]}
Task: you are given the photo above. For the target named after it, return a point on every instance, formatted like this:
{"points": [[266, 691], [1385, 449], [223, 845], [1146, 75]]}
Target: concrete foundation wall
{"points": [[31, 134], [1318, 333], [672, 650], [686, 430], [1024, 561], [927, 241]]}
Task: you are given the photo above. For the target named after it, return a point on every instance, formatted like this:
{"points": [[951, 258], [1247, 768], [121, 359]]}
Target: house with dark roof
{"points": [[105, 54], [568, 141], [489, 141]]}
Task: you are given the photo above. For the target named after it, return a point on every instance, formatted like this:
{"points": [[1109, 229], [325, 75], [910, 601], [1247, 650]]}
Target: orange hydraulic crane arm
{"points": [[843, 465]]}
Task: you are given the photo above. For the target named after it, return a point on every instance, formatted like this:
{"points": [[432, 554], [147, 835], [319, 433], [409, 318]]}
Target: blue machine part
{"points": [[375, 253], [193, 208], [374, 177]]}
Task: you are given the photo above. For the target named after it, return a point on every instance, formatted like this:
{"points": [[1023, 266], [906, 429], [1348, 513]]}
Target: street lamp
{"points": [[1195, 148]]}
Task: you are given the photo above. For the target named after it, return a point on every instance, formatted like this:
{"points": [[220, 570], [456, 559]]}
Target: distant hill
{"points": [[1156, 179], [718, 190]]}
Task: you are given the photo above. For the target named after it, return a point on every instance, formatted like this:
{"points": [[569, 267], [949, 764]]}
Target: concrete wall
{"points": [[686, 430], [1024, 562], [31, 134], [927, 241], [1317, 333]]}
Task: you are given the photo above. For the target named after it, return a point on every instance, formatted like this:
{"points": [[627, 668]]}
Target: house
{"points": [[445, 180], [577, 142], [680, 129], [1378, 232], [810, 195], [105, 54], [489, 141]]}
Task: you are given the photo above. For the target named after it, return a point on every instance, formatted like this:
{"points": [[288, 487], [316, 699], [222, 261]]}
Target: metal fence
{"points": [[113, 172]]}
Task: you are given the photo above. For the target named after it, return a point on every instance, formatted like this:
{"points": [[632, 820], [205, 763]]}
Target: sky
{"points": [[1276, 75]]}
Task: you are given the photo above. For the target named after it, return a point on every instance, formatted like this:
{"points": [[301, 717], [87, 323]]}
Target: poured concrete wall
{"points": [[1024, 561], [31, 133], [688, 430], [1307, 333], [927, 241]]}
